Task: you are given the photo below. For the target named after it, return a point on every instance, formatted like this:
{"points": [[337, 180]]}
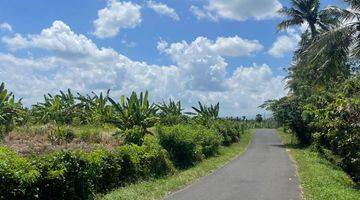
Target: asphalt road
{"points": [[263, 172]]}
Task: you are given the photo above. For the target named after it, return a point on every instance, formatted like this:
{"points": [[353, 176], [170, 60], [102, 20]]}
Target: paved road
{"points": [[263, 172]]}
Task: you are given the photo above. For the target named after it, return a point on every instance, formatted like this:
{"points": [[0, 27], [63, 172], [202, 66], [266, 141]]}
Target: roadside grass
{"points": [[158, 188], [320, 179]]}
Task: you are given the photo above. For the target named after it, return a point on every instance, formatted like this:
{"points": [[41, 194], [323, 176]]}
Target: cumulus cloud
{"points": [[239, 10], [6, 27], [199, 72], [285, 43], [116, 16], [163, 9], [201, 61]]}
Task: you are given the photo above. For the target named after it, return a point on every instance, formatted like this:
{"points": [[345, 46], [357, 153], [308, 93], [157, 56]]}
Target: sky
{"points": [[226, 51]]}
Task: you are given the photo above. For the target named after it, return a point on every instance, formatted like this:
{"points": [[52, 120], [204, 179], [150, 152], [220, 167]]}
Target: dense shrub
{"points": [[17, 176], [336, 117], [188, 144], [229, 130], [148, 160], [77, 175], [133, 135]]}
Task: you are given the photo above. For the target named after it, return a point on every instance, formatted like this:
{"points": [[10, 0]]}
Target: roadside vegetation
{"points": [[323, 106], [74, 146], [321, 179], [158, 188]]}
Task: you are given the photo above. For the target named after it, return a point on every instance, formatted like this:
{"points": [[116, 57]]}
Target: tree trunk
{"points": [[313, 30]]}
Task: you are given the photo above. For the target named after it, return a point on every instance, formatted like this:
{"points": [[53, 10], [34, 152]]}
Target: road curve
{"points": [[263, 172]]}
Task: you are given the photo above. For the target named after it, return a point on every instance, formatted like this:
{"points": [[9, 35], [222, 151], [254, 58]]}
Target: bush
{"points": [[77, 175], [141, 162], [17, 176], [188, 144], [133, 135], [229, 131]]}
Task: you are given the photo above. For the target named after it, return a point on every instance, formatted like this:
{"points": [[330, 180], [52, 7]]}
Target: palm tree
{"points": [[347, 36], [307, 11]]}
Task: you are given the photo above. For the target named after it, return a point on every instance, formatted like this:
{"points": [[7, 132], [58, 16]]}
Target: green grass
{"points": [[157, 188], [320, 179]]}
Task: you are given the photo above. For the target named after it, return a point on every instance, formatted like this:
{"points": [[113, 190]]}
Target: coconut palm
{"points": [[346, 36], [307, 11]]}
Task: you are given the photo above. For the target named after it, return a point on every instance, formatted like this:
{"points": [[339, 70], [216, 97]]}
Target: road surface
{"points": [[263, 172]]}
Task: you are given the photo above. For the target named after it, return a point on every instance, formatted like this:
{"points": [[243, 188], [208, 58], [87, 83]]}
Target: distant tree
{"points": [[258, 118]]}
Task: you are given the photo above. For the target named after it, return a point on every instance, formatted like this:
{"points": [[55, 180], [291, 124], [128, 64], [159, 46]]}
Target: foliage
{"points": [[335, 118], [173, 108], [320, 179], [204, 111], [94, 109], [134, 111], [171, 113], [229, 130], [76, 175], [258, 118], [133, 135], [10, 110], [307, 11], [322, 107], [159, 188], [59, 108], [17, 176], [188, 144]]}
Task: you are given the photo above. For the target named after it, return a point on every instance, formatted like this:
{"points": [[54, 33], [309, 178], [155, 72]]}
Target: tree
{"points": [[307, 11], [346, 36], [259, 118]]}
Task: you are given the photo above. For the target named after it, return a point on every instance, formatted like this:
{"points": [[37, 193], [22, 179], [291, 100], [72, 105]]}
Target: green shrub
{"points": [[188, 144], [133, 135], [229, 131], [141, 162], [66, 175], [17, 176]]}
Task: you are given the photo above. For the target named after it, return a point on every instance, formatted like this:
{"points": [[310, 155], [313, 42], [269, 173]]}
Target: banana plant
{"points": [[9, 109], [173, 108], [60, 108], [207, 112], [134, 112], [95, 108]]}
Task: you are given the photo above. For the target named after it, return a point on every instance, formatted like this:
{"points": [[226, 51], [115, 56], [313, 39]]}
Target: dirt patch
{"points": [[40, 140]]}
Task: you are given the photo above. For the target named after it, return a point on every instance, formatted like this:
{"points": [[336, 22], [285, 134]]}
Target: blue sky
{"points": [[208, 50]]}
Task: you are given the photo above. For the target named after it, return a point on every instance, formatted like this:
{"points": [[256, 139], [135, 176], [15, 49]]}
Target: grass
{"points": [[320, 179], [157, 188]]}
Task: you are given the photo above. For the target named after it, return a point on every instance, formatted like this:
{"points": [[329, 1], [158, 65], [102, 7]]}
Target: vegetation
{"points": [[320, 178], [323, 107], [158, 188], [75, 146], [10, 110]]}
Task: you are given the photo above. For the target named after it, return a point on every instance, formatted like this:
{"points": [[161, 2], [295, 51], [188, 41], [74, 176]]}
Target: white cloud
{"points": [[116, 16], [6, 27], [163, 9], [239, 10], [199, 72], [201, 61], [285, 44]]}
